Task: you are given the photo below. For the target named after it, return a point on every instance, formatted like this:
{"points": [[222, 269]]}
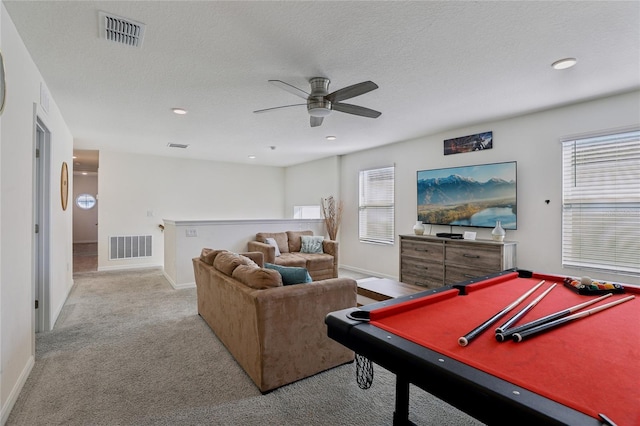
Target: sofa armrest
{"points": [[268, 251], [331, 247]]}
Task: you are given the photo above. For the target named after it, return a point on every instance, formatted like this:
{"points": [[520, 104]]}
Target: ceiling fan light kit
{"points": [[320, 102]]}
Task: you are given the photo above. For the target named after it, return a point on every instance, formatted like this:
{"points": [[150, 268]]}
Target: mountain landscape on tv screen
{"points": [[459, 200]]}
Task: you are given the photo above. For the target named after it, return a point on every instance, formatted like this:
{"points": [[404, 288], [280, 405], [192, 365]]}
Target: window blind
{"points": [[601, 203], [376, 205]]}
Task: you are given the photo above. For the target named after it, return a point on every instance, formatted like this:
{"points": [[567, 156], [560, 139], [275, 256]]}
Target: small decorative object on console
{"points": [[587, 286], [418, 228], [498, 232]]}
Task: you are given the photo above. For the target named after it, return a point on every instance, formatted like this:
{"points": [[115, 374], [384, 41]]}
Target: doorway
{"points": [[85, 211]]}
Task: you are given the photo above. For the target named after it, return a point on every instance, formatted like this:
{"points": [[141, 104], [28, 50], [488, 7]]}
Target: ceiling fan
{"points": [[320, 102]]}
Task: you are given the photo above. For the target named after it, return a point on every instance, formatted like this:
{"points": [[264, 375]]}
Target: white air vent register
{"points": [[120, 30]]}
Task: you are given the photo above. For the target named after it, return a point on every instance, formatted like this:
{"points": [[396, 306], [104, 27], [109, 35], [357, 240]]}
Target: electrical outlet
{"points": [[191, 232]]}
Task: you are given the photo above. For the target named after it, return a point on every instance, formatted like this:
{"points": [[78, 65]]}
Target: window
{"points": [[376, 205], [85, 201], [601, 203], [306, 212]]}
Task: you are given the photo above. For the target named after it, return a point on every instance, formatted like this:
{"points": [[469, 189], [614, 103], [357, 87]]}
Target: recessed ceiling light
{"points": [[179, 111], [331, 138], [84, 173], [252, 156], [563, 64]]}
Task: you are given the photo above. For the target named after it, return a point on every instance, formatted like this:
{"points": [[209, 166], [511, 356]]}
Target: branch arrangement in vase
{"points": [[332, 213]]}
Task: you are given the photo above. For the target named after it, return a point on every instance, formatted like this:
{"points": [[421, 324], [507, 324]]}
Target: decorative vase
{"points": [[498, 232], [418, 228]]}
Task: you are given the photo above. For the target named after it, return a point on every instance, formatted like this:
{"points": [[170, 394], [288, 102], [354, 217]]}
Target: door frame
{"points": [[41, 219]]}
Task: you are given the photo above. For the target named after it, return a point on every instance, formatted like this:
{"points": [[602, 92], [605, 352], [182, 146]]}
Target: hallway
{"points": [[85, 257]]}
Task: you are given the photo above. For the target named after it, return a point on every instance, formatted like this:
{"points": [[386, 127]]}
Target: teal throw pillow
{"points": [[291, 274], [311, 244]]}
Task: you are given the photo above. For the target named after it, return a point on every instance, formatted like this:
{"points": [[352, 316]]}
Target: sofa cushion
{"points": [[227, 262], [280, 237], [258, 278], [311, 244], [291, 259], [248, 261], [294, 239], [315, 261], [273, 242], [208, 255], [290, 274]]}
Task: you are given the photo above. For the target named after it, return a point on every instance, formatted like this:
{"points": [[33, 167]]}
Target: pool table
{"points": [[585, 372]]}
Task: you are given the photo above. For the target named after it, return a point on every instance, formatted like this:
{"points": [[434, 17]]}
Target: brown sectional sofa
{"points": [[320, 265], [276, 333]]}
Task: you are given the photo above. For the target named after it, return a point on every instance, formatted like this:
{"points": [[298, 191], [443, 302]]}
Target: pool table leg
{"points": [[401, 413]]}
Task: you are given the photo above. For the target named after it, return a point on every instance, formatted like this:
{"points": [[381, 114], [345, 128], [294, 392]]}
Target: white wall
{"points": [[136, 192], [185, 240], [17, 148], [531, 140], [85, 222], [307, 183]]}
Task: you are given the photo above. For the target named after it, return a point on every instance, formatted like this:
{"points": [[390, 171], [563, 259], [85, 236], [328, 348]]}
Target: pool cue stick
{"points": [[464, 340], [501, 337], [607, 420], [519, 337], [524, 310]]}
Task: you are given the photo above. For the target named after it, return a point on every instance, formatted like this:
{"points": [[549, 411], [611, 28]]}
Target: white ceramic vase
{"points": [[418, 228], [498, 233]]}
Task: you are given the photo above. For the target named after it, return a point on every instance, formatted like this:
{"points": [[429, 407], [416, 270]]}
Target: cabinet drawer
{"points": [[410, 278], [456, 274], [422, 250], [479, 256], [420, 269]]}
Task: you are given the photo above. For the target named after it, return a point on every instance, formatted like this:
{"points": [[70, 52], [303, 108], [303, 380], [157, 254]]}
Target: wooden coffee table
{"points": [[376, 290]]}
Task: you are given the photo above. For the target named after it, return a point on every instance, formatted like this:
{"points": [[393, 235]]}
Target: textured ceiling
{"points": [[439, 65]]}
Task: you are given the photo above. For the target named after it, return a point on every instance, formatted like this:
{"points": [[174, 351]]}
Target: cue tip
{"points": [[606, 420], [463, 341]]}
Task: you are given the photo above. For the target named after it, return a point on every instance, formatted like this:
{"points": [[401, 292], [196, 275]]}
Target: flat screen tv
{"points": [[476, 196]]}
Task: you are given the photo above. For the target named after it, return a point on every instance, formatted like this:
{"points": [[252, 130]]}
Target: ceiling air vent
{"points": [[177, 145], [121, 30]]}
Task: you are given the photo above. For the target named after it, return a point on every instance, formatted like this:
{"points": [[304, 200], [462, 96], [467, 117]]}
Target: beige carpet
{"points": [[129, 350]]}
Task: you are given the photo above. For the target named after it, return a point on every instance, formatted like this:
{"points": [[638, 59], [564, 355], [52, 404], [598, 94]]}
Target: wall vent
{"points": [[177, 145], [130, 247], [121, 30]]}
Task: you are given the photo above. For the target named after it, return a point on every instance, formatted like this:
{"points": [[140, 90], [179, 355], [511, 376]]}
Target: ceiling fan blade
{"points": [[316, 121], [260, 111], [356, 110], [351, 91], [289, 88]]}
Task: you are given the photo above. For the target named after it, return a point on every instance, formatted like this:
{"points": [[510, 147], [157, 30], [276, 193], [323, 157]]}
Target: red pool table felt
{"points": [[591, 364]]}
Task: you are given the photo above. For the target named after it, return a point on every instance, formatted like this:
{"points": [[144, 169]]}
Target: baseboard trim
{"points": [[124, 267], [56, 314], [178, 286], [15, 392]]}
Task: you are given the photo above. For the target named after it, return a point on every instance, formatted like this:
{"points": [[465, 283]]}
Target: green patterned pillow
{"points": [[311, 244]]}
